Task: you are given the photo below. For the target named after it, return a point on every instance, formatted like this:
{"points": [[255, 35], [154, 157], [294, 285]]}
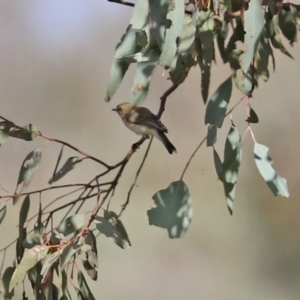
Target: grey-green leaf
{"points": [[211, 135], [231, 164], [29, 260], [173, 209], [84, 288], [4, 131], [264, 162], [253, 26], [112, 227], [27, 133], [2, 211], [71, 224], [68, 166], [176, 17], [253, 118], [217, 105], [7, 294], [27, 171]]}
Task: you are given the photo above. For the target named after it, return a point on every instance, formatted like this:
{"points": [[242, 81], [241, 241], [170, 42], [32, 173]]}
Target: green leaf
{"points": [[288, 25], [29, 260], [262, 58], [264, 162], [253, 26], [211, 135], [84, 288], [173, 211], [140, 12], [112, 227], [27, 133], [176, 17], [64, 285], [8, 273], [253, 118], [127, 46], [27, 171], [234, 61], [217, 105], [205, 49], [32, 240], [218, 164], [142, 79], [68, 166], [48, 262], [4, 131], [221, 37], [91, 271], [231, 164], [237, 35], [91, 255], [2, 211], [69, 252], [157, 16], [71, 224], [250, 80], [273, 32]]}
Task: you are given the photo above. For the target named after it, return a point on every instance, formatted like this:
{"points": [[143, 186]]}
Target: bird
{"points": [[142, 121]]}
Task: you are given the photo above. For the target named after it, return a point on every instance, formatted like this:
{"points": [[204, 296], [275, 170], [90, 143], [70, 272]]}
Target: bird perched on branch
{"points": [[143, 122]]}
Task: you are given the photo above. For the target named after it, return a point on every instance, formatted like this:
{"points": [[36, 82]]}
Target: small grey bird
{"points": [[143, 122]]}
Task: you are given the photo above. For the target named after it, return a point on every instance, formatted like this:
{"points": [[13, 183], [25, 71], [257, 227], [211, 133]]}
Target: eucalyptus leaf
{"points": [[27, 133], [71, 224], [4, 131], [2, 211], [173, 209], [6, 278], [84, 288], [263, 161]]}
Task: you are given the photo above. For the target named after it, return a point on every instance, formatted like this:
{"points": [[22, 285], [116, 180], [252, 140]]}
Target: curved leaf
{"points": [[2, 211], [263, 162], [8, 273], [85, 291], [71, 224]]}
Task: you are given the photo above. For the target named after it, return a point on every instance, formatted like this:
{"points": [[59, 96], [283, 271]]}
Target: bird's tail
{"points": [[163, 138]]}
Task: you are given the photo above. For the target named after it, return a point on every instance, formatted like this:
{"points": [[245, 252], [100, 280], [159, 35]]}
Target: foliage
{"points": [[177, 36]]}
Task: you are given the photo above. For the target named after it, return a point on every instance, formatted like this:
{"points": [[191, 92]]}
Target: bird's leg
{"points": [[146, 136]]}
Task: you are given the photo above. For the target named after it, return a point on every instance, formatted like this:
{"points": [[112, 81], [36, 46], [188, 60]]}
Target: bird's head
{"points": [[123, 108]]}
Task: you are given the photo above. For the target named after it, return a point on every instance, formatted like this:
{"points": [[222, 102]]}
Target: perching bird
{"points": [[142, 121]]}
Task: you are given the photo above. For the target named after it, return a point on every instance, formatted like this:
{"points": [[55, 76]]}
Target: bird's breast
{"points": [[139, 129]]}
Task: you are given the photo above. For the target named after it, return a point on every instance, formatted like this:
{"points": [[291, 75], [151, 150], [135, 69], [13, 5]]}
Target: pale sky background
{"points": [[55, 62]]}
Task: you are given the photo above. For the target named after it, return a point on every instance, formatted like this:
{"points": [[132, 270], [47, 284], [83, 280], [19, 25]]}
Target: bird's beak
{"points": [[114, 109]]}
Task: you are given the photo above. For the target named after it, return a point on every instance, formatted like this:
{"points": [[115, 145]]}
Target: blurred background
{"points": [[55, 62]]}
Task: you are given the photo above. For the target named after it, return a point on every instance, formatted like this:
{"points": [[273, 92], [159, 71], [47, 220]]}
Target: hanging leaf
{"points": [[231, 164], [218, 163], [68, 166], [48, 262], [234, 61], [84, 291], [91, 255], [8, 273], [2, 211], [27, 133], [264, 162], [175, 16], [92, 272], [112, 227], [253, 118], [173, 211], [69, 252], [140, 12], [71, 224], [29, 260], [4, 131], [32, 240], [211, 135], [127, 46], [253, 26], [27, 171], [217, 105], [205, 49], [288, 25]]}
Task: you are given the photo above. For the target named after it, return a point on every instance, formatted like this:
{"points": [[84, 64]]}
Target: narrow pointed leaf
{"points": [[2, 211], [84, 288], [68, 253], [173, 209], [91, 271], [68, 166], [264, 162], [231, 164], [8, 273], [217, 105], [49, 261], [27, 171], [218, 164]]}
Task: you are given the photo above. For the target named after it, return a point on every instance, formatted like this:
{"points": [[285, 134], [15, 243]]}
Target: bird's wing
{"points": [[143, 116]]}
